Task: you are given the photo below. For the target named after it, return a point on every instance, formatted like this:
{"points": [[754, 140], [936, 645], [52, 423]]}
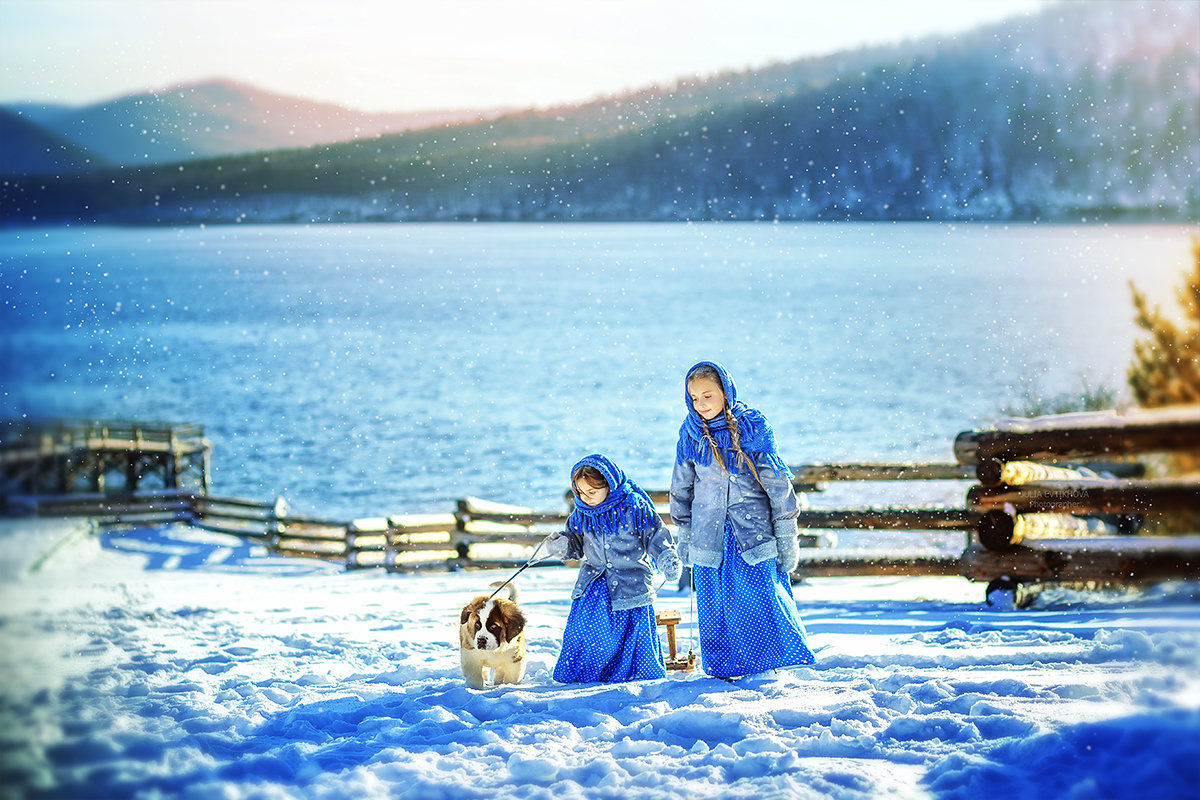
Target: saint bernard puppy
{"points": [[491, 636]]}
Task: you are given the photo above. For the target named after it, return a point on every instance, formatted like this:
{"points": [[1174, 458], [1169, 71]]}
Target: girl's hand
{"points": [[556, 544], [668, 562], [788, 554], [683, 545]]}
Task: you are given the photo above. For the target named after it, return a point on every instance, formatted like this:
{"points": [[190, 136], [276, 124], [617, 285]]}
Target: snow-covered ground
{"points": [[180, 664]]}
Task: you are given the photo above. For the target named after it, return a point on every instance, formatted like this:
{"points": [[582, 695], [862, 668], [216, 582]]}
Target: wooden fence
{"points": [[1047, 499], [482, 533], [1043, 522]]}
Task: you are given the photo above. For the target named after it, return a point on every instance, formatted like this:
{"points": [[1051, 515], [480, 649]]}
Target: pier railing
{"points": [[19, 437], [47, 457]]}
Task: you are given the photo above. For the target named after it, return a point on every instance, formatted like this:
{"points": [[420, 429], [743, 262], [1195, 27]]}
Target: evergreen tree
{"points": [[1166, 367], [1166, 371]]}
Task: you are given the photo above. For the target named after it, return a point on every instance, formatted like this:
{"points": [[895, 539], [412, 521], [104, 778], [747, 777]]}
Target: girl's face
{"points": [[591, 495], [707, 397]]}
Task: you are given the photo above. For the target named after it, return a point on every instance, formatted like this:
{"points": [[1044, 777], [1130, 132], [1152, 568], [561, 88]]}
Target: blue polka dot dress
{"points": [[747, 616], [602, 645]]}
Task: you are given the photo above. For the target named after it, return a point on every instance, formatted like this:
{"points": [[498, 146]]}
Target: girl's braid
{"points": [[712, 443], [735, 438]]}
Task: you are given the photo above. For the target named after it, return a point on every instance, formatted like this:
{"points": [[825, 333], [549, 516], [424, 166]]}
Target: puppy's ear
{"points": [[514, 621], [466, 614]]}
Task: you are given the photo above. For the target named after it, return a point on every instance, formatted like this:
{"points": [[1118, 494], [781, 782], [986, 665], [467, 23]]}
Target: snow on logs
{"points": [[1091, 434], [1089, 496]]}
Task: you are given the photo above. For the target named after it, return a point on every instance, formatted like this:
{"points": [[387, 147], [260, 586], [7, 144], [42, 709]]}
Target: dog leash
{"points": [[528, 563], [692, 607]]}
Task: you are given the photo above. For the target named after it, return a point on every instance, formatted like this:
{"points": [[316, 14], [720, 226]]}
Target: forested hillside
{"points": [[1088, 111]]}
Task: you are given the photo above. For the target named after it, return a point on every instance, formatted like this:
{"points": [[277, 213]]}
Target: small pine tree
{"points": [[1166, 371], [1166, 368]]}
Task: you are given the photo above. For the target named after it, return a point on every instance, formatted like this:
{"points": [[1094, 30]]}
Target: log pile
{"points": [[1041, 521]]}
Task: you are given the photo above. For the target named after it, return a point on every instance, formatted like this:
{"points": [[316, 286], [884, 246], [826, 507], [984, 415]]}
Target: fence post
{"points": [[462, 513], [171, 466], [276, 524], [351, 541]]}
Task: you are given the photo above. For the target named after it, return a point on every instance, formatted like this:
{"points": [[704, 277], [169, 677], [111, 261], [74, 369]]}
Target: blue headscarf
{"points": [[755, 434], [624, 498]]}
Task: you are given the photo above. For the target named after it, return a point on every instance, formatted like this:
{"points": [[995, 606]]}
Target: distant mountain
{"points": [[216, 118], [27, 148], [1086, 111]]}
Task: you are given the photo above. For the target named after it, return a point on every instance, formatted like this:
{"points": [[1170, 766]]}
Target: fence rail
{"points": [[1081, 435], [1122, 560]]}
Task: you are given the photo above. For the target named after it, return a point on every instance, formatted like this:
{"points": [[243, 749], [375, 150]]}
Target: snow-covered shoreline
{"points": [[181, 664]]}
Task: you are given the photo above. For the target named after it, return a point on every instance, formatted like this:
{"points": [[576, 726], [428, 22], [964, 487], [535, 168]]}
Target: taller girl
{"points": [[735, 509]]}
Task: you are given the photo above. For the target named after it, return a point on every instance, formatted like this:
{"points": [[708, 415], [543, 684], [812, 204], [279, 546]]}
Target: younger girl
{"points": [[733, 502], [610, 633]]}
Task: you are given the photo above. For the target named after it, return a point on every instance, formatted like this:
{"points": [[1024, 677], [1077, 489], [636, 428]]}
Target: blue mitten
{"points": [[668, 562], [787, 549]]}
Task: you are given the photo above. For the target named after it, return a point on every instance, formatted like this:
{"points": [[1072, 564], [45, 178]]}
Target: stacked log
{"points": [[1043, 521]]}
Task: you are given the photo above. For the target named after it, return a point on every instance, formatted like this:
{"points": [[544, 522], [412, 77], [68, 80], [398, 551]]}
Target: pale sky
{"points": [[401, 55]]}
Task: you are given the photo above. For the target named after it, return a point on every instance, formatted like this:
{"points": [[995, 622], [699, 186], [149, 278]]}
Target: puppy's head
{"points": [[490, 624]]}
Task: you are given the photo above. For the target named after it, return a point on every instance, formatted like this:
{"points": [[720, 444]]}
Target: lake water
{"points": [[377, 369]]}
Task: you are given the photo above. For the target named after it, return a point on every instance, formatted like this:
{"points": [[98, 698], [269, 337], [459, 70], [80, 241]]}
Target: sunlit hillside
{"points": [[1086, 112]]}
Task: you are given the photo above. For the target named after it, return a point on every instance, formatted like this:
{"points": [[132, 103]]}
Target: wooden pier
{"points": [[63, 457]]}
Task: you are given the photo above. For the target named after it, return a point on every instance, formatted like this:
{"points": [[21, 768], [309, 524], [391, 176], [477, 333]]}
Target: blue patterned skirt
{"points": [[602, 645], [747, 616]]}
